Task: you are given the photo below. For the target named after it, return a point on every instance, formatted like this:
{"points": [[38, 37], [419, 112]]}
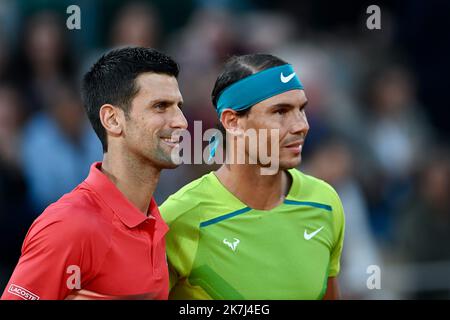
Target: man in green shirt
{"points": [[239, 234]]}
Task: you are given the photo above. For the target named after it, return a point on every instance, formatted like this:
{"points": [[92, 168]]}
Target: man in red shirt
{"points": [[105, 239]]}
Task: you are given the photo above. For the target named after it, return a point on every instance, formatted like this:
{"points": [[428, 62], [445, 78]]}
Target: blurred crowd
{"points": [[377, 113]]}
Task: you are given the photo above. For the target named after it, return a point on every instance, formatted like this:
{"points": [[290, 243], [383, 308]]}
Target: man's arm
{"points": [[332, 292]]}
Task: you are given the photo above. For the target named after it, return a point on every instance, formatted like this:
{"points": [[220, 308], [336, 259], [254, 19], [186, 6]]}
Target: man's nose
{"points": [[299, 124], [179, 120]]}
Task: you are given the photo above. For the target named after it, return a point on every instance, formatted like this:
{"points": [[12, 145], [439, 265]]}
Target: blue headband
{"points": [[260, 86]]}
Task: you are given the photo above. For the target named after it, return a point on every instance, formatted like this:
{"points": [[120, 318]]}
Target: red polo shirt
{"points": [[93, 244]]}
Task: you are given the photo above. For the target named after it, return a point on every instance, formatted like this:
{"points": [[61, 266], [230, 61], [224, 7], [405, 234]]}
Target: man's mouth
{"points": [[171, 141], [295, 146]]}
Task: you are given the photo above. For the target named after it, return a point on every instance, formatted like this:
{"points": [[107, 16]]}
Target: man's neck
{"points": [[136, 179], [261, 192]]}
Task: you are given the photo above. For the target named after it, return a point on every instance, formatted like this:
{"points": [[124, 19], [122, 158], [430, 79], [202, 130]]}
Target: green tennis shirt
{"points": [[219, 248]]}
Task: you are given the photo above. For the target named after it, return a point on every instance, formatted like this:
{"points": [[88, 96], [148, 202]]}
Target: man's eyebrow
{"points": [[288, 105], [304, 104], [166, 101]]}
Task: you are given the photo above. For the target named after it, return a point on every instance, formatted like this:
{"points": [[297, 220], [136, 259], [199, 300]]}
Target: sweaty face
{"points": [[286, 113], [155, 119]]}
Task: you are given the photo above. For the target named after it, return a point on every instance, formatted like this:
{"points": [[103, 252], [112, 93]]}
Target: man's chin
{"points": [[290, 164], [167, 159], [168, 163]]}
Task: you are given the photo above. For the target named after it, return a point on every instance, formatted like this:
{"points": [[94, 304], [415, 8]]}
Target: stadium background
{"points": [[378, 113]]}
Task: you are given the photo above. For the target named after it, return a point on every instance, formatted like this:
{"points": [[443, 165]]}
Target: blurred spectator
{"points": [[397, 135], [266, 31], [10, 125], [423, 228], [14, 217], [137, 24], [398, 127], [58, 147], [44, 59]]}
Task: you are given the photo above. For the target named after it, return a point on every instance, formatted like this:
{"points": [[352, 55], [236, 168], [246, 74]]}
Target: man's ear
{"points": [[229, 120], [112, 119]]}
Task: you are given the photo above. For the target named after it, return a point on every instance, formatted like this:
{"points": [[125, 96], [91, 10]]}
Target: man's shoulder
{"points": [[187, 198], [320, 194], [77, 215], [311, 187]]}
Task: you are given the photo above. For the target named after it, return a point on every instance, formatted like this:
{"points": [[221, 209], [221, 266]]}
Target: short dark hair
{"points": [[240, 67], [112, 80]]}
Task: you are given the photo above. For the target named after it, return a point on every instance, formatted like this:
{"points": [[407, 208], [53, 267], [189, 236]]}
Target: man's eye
{"points": [[281, 111], [160, 106]]}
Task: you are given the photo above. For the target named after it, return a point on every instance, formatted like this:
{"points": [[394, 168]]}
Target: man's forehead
{"points": [[158, 86], [292, 97]]}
